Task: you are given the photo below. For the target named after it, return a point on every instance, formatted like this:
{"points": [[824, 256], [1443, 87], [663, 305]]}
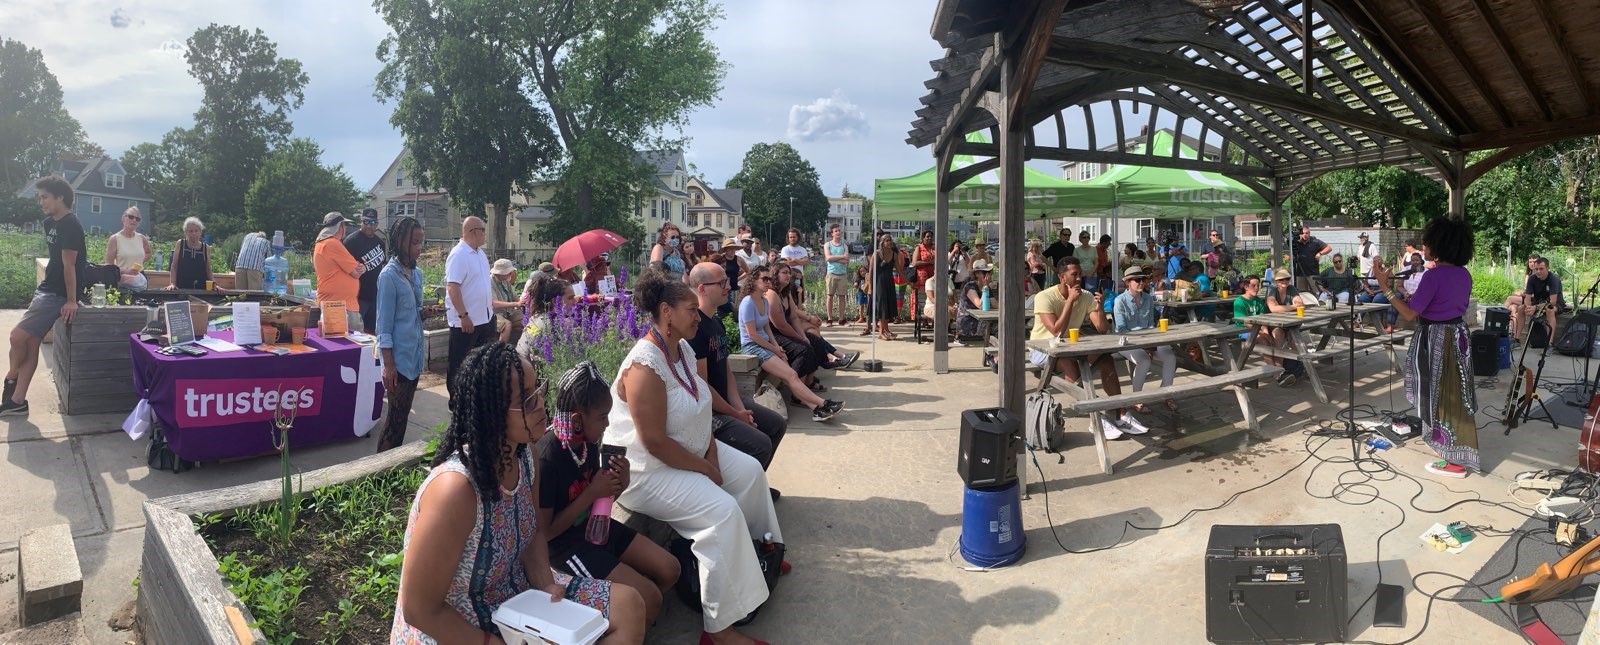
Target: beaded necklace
{"points": [[688, 380]]}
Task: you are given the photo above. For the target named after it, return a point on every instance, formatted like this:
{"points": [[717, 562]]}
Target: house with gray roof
{"points": [[101, 191]]}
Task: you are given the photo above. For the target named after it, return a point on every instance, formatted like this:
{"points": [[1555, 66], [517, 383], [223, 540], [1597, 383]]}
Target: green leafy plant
{"points": [[272, 598], [1491, 288], [282, 422]]}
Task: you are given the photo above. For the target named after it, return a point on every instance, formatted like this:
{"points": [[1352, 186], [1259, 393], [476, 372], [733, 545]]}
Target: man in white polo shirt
{"points": [[466, 274]]}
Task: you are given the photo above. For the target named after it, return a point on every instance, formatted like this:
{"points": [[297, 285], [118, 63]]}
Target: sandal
{"points": [[864, 332], [817, 386], [1172, 405]]}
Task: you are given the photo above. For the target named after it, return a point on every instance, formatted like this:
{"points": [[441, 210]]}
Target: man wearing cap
{"points": [[837, 289], [338, 272], [469, 309], [507, 303], [751, 253], [1283, 299], [366, 246], [1365, 253]]}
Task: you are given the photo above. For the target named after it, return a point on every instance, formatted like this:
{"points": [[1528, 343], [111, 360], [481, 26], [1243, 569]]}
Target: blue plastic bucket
{"points": [[991, 526], [1505, 352]]}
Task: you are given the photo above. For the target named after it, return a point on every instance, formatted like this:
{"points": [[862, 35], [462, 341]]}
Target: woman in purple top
{"points": [[1436, 379]]}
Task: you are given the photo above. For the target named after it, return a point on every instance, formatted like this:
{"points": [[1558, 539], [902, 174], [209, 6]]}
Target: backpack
{"points": [[1579, 336], [1045, 429], [768, 554]]}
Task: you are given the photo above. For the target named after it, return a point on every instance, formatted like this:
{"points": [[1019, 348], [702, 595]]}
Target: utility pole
{"points": [[791, 211]]}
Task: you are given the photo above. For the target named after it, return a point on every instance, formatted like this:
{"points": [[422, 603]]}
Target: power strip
{"points": [[1532, 481]]}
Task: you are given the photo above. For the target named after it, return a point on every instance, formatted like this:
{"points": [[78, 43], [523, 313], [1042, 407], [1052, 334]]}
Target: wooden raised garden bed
{"points": [[182, 597]]}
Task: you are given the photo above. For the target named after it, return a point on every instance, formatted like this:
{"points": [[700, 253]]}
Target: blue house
{"points": [[102, 191]]}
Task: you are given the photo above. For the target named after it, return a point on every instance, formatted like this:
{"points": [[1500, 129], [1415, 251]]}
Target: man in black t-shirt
{"points": [[1060, 250], [366, 246], [1543, 288], [736, 421], [1308, 252], [57, 296]]}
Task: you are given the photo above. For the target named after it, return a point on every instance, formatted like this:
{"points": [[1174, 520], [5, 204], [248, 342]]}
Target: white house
{"points": [[846, 212]]}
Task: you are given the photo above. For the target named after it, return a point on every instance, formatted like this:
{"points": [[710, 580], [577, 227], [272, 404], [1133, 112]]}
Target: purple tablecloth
{"points": [[220, 405]]}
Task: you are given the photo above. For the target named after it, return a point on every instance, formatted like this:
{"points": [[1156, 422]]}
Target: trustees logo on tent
{"points": [[219, 402], [991, 195]]}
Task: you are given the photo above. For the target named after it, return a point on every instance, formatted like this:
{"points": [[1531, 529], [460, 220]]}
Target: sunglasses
{"points": [[1138, 279], [764, 279]]}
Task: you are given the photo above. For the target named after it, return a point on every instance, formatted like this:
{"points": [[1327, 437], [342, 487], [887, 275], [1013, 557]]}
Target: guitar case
{"points": [[1589, 440]]}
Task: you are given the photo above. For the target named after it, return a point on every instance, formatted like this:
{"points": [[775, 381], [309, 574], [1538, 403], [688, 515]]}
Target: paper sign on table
{"points": [[608, 286], [333, 319], [579, 290], [247, 323], [180, 327], [218, 345]]}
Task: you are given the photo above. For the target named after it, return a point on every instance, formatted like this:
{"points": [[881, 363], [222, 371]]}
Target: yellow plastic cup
{"points": [[1224, 293], [1162, 323], [1072, 335], [210, 286], [1300, 311]]}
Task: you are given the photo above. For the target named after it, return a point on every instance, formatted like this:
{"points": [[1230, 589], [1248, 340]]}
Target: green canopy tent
{"points": [[1143, 192], [978, 199]]}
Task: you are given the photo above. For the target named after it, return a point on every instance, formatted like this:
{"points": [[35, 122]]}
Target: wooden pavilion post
{"points": [[1277, 225], [1013, 333], [1455, 181]]}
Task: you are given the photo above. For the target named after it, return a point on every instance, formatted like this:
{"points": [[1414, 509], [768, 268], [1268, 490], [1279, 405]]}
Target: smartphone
{"points": [[608, 451]]}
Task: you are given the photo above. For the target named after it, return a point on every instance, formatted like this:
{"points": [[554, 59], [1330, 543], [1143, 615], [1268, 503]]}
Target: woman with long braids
{"points": [[399, 327], [1436, 375], [473, 540], [707, 491]]}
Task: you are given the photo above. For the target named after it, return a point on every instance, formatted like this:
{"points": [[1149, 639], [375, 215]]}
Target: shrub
{"points": [[1491, 288]]}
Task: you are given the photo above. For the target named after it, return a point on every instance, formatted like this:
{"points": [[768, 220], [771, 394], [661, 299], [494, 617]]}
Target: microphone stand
{"points": [[1350, 403]]}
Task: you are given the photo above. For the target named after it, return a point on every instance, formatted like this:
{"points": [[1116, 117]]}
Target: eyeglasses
{"points": [[1282, 280], [764, 278], [719, 283], [536, 397], [475, 230], [132, 217]]}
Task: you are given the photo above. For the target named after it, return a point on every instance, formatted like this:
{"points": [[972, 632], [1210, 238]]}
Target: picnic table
{"points": [[1081, 397], [1222, 304], [1328, 324]]}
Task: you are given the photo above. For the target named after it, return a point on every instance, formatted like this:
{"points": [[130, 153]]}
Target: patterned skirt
{"points": [[1442, 391]]}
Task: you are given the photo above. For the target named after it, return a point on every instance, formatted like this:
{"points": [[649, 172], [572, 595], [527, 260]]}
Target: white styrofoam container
{"points": [[530, 618]]}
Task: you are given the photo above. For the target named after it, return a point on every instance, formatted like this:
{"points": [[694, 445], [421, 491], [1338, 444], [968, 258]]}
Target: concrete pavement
{"points": [[872, 510]]}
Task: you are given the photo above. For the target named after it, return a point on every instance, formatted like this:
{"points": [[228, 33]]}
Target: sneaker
{"points": [[1444, 468], [826, 411], [13, 409], [1131, 424], [774, 493], [1288, 380], [1112, 429]]}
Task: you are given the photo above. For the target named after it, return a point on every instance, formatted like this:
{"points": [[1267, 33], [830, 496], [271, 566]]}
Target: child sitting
{"points": [[571, 479]]}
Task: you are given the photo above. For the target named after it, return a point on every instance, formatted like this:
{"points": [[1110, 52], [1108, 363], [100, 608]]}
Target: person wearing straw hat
{"points": [[507, 305], [1283, 299], [734, 267], [1132, 311]]}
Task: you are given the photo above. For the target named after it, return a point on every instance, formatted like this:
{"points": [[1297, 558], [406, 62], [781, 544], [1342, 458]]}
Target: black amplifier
{"points": [[991, 438], [1275, 584]]}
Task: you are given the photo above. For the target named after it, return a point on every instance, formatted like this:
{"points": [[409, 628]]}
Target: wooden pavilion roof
{"points": [[1408, 82]]}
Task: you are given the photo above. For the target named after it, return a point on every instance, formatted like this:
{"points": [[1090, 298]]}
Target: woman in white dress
{"points": [[707, 491]]}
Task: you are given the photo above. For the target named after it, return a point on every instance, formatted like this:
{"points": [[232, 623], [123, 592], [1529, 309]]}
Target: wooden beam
{"points": [[1436, 23], [1012, 330], [1508, 52], [1245, 140], [1585, 92], [1486, 164], [1538, 133], [961, 175], [1106, 157], [1386, 48], [1253, 114], [1367, 158], [1241, 111], [1035, 41], [988, 70], [1088, 53]]}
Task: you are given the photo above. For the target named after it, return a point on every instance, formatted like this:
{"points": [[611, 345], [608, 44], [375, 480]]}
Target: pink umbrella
{"points": [[584, 247]]}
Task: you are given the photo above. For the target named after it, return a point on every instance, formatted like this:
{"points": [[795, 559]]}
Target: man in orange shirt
{"points": [[338, 272]]}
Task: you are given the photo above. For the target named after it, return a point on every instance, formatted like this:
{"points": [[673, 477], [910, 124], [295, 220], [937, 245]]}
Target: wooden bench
{"points": [[1078, 401], [1334, 346]]}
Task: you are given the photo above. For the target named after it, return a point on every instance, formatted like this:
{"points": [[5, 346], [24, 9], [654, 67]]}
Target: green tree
{"points": [[18, 210], [247, 94], [35, 128], [772, 174], [1377, 195], [615, 76], [167, 171], [469, 126], [294, 190]]}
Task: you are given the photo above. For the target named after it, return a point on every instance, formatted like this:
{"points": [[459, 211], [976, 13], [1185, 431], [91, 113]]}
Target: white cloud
{"points": [[120, 19], [173, 48], [829, 118]]}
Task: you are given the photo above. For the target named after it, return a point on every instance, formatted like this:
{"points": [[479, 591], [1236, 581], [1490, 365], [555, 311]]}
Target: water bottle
{"points": [[598, 531], [985, 303], [277, 270], [161, 264], [97, 296]]}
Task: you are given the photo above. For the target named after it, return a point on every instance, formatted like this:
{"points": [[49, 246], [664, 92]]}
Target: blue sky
{"points": [[838, 80]]}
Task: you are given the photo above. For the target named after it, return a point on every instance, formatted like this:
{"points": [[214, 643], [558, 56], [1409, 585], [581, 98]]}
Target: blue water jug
{"points": [[277, 273]]}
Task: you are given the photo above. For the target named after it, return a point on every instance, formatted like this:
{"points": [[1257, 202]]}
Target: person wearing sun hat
{"points": [[338, 272], [506, 302], [1132, 311], [596, 270], [1283, 298], [734, 265]]}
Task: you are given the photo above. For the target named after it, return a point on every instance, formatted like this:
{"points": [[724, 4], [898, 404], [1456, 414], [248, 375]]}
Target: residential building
{"points": [[397, 195], [101, 192], [670, 202], [1192, 231], [1087, 170], [714, 215], [846, 212]]}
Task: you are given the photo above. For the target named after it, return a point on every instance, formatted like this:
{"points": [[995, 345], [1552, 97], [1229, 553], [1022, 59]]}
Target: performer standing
{"points": [[1435, 374]]}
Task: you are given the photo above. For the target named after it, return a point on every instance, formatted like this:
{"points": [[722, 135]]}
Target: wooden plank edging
{"points": [[233, 498]]}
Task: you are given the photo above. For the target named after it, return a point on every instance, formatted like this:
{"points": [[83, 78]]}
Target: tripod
{"points": [[1520, 407]]}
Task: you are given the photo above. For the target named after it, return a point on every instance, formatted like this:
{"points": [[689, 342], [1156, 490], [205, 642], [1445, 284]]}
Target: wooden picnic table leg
{"points": [[1249, 346], [1298, 334], [1096, 419]]}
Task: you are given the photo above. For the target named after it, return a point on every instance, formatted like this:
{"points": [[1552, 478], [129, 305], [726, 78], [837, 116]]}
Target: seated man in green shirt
{"points": [[1066, 305]]}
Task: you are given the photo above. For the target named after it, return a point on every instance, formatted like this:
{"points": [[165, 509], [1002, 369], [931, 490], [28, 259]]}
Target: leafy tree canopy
{"points": [[293, 190], [772, 174], [35, 128]]}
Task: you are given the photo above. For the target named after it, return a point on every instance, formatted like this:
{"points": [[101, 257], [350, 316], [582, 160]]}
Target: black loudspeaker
{"points": [[1497, 319], [1579, 336], [990, 441], [1538, 335], [1275, 584], [1485, 346]]}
